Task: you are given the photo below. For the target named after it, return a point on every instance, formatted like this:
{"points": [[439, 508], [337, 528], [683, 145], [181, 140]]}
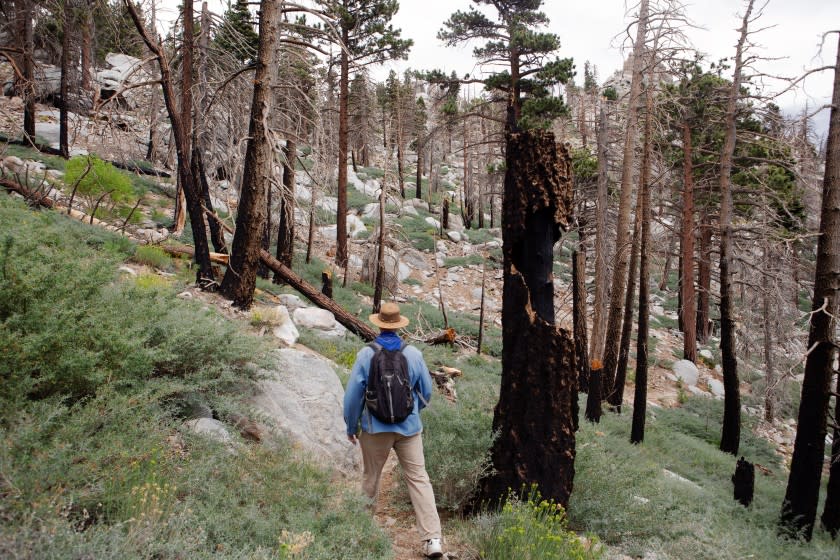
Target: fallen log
{"points": [[448, 336], [353, 323], [187, 251]]}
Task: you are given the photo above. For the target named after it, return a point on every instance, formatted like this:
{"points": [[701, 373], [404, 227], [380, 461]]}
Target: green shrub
{"points": [[532, 529], [97, 178], [152, 256]]}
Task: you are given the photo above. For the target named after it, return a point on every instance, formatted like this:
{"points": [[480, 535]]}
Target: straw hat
{"points": [[389, 317]]}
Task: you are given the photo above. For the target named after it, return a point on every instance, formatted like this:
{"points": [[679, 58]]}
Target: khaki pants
{"points": [[375, 450]]}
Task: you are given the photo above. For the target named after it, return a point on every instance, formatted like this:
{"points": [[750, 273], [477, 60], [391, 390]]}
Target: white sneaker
{"points": [[432, 548]]}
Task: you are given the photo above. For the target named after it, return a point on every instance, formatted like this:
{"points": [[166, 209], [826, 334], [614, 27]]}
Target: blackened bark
{"points": [[704, 281], [23, 14], [536, 443], [400, 177], [327, 284], [444, 214], [831, 512], [286, 229], [593, 399], [799, 508], [200, 174], [240, 277], [599, 320], [418, 192], [744, 482], [615, 395]]}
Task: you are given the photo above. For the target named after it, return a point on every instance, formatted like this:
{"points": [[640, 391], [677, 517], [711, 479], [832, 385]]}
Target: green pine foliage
{"points": [[236, 34], [527, 85], [96, 178]]}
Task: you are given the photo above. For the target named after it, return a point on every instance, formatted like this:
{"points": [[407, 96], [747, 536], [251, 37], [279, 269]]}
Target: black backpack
{"points": [[388, 395]]}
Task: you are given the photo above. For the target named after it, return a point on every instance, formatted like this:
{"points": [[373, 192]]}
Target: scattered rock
{"points": [[686, 371], [716, 387], [211, 428], [433, 222], [674, 476], [454, 236], [13, 164], [285, 331], [291, 301], [409, 210], [440, 246], [315, 318], [707, 354], [128, 270], [301, 396], [186, 295]]}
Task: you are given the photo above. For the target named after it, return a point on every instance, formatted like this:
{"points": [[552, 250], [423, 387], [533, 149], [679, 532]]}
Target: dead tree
{"points": [[286, 227], [622, 229], [240, 277], [688, 310], [731, 431], [181, 132], [599, 321], [799, 508], [536, 443]]}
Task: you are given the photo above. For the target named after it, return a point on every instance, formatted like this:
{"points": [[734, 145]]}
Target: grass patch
{"points": [[152, 256]]}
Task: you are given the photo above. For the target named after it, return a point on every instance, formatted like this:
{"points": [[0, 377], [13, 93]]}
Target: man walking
{"points": [[388, 413]]}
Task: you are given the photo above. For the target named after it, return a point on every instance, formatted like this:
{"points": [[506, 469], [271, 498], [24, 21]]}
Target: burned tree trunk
{"points": [[799, 508], [579, 322], [63, 144], [688, 313], [615, 394], [536, 443], [240, 277], [704, 280], [418, 186], [599, 321], [286, 229], [831, 512], [744, 482]]}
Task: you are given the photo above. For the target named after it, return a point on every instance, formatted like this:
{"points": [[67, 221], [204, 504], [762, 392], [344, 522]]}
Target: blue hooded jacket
{"points": [[354, 397]]}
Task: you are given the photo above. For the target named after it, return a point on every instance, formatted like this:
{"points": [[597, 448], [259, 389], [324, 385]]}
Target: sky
{"points": [[595, 30]]}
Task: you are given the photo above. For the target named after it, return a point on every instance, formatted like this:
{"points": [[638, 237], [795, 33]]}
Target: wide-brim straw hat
{"points": [[389, 317]]}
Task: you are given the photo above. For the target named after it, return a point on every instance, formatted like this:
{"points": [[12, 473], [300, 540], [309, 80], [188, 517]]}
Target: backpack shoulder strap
{"points": [[403, 344], [375, 346]]}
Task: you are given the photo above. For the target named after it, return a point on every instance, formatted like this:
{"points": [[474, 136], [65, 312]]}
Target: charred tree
{"points": [[831, 511], [240, 277], [23, 23], [799, 508], [614, 395], [731, 431], [181, 133], [66, 45], [579, 322], [599, 320], [744, 482], [286, 228], [536, 443], [704, 280]]}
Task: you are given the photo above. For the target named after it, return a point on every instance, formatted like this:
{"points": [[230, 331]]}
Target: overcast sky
{"points": [[594, 29]]}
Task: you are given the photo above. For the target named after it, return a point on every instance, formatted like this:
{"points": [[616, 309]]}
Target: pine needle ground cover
{"points": [[95, 462]]}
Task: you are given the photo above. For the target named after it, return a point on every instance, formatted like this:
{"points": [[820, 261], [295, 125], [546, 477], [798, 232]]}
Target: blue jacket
{"points": [[354, 397]]}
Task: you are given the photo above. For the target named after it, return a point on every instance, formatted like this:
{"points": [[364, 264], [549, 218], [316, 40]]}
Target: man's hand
{"points": [[352, 439]]}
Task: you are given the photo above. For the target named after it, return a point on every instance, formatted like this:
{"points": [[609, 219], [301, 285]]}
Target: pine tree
{"points": [[513, 40], [236, 34]]}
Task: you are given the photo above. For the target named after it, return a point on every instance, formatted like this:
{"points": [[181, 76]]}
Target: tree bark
{"points": [[286, 229], [704, 280], [341, 213], [769, 321], [418, 188], [799, 508], [536, 443], [637, 433], [23, 15], [63, 145], [579, 320], [87, 23], [731, 431], [240, 277], [615, 395], [181, 134], [831, 511], [619, 278], [599, 320], [688, 309]]}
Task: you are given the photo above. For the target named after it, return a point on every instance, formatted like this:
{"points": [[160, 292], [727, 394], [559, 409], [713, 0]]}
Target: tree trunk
{"points": [[731, 431], [666, 268], [23, 14], [619, 278], [579, 320], [341, 213], [418, 192], [831, 512], [181, 134], [704, 280], [799, 508], [536, 442], [87, 23], [63, 145], [637, 433], [200, 174], [240, 277], [599, 321], [186, 109], [593, 398], [744, 482], [689, 311], [379, 278], [769, 320], [400, 179], [286, 229], [615, 395]]}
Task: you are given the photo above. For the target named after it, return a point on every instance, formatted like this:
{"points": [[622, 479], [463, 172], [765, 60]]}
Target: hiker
{"points": [[390, 418]]}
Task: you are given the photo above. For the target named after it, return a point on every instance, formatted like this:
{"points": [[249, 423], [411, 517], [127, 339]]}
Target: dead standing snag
{"points": [[534, 419]]}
